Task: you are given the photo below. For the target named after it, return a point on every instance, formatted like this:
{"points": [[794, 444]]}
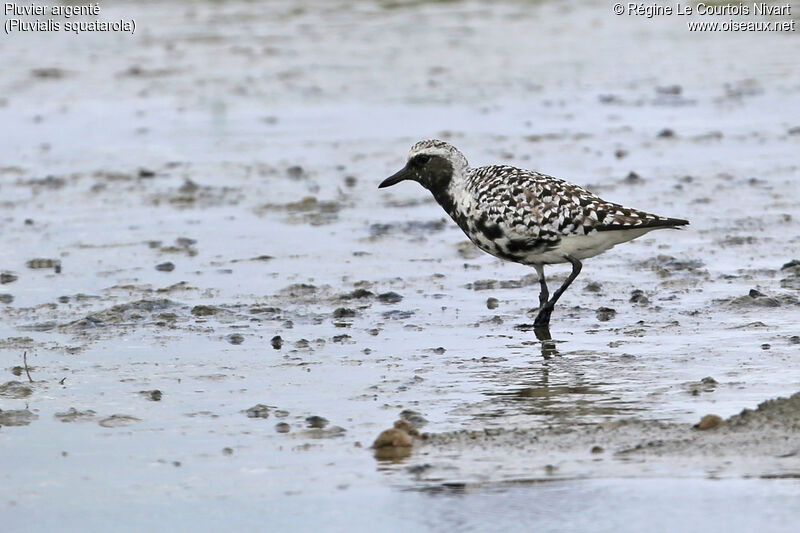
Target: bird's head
{"points": [[433, 164]]}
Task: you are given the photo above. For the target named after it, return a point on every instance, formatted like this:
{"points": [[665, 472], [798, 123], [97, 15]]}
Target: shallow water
{"points": [[244, 147]]}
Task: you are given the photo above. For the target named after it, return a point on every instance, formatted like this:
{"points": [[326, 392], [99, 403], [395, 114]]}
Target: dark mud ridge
{"points": [[764, 442]]}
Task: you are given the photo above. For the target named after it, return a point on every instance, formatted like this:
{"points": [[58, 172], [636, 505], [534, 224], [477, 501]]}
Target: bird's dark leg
{"points": [[544, 293], [543, 318]]}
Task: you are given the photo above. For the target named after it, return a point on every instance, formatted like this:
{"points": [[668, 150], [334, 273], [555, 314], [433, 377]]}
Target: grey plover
{"points": [[525, 216]]}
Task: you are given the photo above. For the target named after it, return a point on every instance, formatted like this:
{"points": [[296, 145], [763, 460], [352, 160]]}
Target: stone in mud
{"points": [[597, 449], [165, 267], [152, 395], [413, 417], [115, 421], [282, 427], [295, 172], [6, 298], [393, 438], [638, 297], [316, 421], [792, 267], [227, 450], [482, 284], [7, 277], [709, 422], [16, 417], [235, 338], [205, 310], [707, 384], [604, 314], [344, 312], [666, 133], [276, 342], [73, 415], [492, 303], [49, 73], [357, 294], [43, 263], [398, 315], [389, 297], [15, 389], [257, 310], [258, 411]]}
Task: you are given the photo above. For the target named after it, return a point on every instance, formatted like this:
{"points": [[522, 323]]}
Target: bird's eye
{"points": [[422, 159]]}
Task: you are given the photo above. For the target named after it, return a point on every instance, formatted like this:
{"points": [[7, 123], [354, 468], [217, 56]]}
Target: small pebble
{"points": [[492, 303], [258, 411], [709, 422], [638, 297], [413, 417], [165, 267], [604, 314], [276, 342], [282, 427], [295, 171], [204, 310], [152, 395], [235, 338], [393, 438], [316, 422], [227, 451], [389, 297]]}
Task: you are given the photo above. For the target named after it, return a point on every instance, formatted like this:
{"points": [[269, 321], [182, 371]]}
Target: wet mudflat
{"points": [[220, 312]]}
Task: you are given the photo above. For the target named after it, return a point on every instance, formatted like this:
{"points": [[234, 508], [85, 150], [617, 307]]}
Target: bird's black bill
{"points": [[403, 174]]}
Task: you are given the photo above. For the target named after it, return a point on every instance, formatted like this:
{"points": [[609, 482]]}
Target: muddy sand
{"points": [[210, 312]]}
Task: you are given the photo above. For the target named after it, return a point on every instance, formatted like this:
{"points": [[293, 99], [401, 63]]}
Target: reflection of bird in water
{"points": [[524, 216]]}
